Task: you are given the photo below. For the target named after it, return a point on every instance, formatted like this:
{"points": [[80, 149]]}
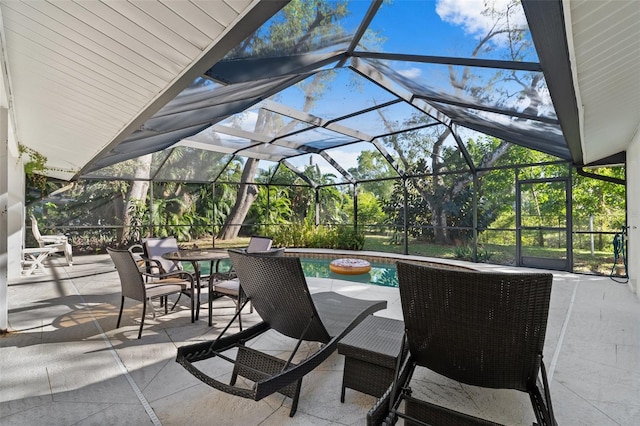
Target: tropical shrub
{"points": [[306, 234]]}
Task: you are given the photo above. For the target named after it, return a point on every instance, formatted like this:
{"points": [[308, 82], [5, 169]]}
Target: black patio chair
{"points": [[480, 328], [278, 290]]}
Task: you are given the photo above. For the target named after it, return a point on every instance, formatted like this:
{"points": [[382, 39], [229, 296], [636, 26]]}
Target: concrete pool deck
{"points": [[65, 363]]}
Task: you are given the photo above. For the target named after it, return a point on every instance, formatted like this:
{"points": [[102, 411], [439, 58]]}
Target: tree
{"points": [[371, 167], [136, 193], [442, 192], [272, 207], [369, 209], [303, 22], [603, 201]]}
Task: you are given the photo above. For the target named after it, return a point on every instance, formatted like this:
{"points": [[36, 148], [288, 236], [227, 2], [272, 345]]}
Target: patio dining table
{"points": [[195, 256]]}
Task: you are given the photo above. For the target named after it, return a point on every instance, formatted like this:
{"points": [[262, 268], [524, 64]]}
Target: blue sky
{"points": [[422, 27]]}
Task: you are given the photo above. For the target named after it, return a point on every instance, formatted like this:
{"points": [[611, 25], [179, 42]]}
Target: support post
{"points": [[475, 216], [405, 216], [4, 220], [317, 207], [355, 206]]}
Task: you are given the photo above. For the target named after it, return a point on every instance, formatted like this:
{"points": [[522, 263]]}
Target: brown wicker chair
{"points": [[134, 287], [482, 329], [231, 287], [278, 290]]}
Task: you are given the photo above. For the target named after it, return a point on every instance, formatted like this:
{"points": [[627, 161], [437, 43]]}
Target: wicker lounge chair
{"points": [[278, 290], [134, 287], [482, 329], [257, 244], [231, 287]]}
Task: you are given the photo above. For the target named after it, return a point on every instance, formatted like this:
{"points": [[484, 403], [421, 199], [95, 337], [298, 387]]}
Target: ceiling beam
{"points": [[546, 23], [447, 60]]}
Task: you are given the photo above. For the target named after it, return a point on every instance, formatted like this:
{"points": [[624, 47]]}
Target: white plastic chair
{"points": [[57, 243]]}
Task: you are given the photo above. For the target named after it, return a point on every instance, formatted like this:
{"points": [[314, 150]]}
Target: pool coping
{"points": [[379, 257]]}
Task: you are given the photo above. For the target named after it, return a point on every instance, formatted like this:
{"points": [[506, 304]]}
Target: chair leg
{"points": [[198, 303], [294, 400], [153, 311], [144, 313], [68, 254], [541, 400], [177, 300], [120, 314], [239, 311], [193, 319]]}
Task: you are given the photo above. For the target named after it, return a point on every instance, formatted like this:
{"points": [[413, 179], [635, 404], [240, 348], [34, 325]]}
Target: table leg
{"points": [[196, 268], [212, 277], [36, 258], [211, 299]]}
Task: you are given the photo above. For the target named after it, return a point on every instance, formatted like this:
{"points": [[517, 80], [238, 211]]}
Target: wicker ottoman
{"points": [[371, 352]]}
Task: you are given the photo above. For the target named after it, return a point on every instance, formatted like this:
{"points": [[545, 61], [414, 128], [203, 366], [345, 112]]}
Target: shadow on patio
{"points": [[65, 362]]}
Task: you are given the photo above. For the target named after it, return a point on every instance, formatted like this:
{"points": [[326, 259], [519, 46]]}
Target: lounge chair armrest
{"points": [[181, 274]]}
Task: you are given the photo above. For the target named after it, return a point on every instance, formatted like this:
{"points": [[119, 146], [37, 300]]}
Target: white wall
{"points": [[12, 183], [633, 211], [16, 218]]}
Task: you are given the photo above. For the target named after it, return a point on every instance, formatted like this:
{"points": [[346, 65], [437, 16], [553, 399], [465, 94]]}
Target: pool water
{"points": [[383, 274]]}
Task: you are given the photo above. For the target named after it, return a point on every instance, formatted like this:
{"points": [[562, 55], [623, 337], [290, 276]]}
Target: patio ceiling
{"points": [[123, 79], [605, 40], [84, 75]]}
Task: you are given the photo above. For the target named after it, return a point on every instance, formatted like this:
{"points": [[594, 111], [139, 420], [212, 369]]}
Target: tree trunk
{"points": [[539, 213], [246, 196], [137, 192]]}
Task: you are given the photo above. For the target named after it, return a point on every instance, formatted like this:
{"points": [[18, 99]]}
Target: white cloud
{"points": [[468, 14], [411, 73]]}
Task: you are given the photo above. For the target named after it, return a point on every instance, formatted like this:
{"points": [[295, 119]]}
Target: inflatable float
{"points": [[349, 266]]}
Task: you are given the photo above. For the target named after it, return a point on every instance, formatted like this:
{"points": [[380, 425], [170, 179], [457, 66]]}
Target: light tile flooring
{"points": [[64, 363]]}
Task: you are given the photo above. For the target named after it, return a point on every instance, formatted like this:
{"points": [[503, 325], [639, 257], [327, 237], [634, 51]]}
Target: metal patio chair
{"points": [[154, 248], [134, 287]]}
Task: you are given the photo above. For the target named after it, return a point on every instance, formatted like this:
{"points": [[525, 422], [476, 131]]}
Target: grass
{"points": [[599, 263], [583, 262]]}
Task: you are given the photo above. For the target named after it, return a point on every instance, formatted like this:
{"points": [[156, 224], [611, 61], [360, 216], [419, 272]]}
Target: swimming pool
{"points": [[382, 273]]}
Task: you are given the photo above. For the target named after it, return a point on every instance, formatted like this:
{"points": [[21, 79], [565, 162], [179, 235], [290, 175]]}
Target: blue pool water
{"points": [[383, 274]]}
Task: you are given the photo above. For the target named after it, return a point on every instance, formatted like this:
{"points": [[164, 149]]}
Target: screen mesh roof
{"points": [[352, 77]]}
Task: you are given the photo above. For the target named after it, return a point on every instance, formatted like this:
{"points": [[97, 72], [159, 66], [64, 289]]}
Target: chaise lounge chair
{"points": [[231, 287], [484, 329], [278, 290], [55, 243]]}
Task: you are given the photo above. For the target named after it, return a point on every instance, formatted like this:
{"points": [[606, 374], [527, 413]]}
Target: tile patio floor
{"points": [[65, 364]]}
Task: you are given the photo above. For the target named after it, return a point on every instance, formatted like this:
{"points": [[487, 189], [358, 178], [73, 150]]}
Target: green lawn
{"points": [[600, 263]]}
